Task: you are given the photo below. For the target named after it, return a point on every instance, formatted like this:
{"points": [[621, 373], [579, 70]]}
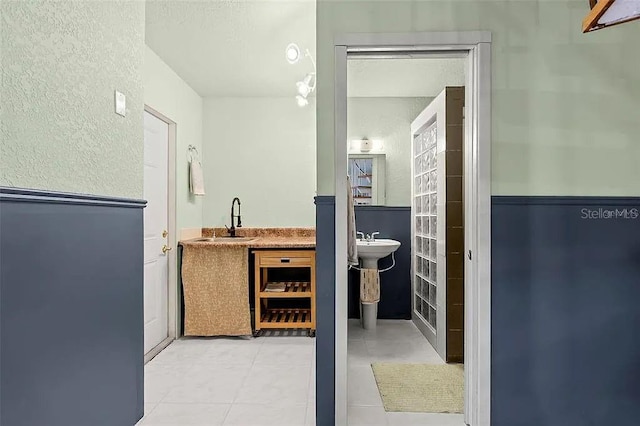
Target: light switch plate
{"points": [[121, 103]]}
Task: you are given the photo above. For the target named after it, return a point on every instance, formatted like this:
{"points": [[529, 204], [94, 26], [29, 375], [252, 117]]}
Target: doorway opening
{"points": [[429, 181]]}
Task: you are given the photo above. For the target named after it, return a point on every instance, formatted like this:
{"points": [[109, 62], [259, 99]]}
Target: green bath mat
{"points": [[420, 388]]}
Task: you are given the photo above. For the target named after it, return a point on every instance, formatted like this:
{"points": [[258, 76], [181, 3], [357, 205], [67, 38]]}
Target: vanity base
{"points": [[268, 292]]}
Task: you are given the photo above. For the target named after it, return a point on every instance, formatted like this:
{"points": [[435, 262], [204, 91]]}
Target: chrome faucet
{"points": [[232, 230], [367, 237]]}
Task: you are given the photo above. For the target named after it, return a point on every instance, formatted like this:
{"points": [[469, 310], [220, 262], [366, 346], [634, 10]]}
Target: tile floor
{"points": [[232, 381], [391, 341], [271, 380]]}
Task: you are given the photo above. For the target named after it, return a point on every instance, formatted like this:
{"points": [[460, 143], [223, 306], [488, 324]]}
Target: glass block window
{"points": [[425, 224]]}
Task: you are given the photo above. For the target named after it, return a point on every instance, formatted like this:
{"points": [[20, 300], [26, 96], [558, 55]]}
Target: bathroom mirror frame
{"points": [[379, 177]]}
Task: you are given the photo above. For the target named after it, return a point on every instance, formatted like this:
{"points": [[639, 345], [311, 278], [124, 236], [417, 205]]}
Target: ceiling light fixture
{"points": [[307, 85], [606, 13], [302, 100], [292, 53], [304, 86]]}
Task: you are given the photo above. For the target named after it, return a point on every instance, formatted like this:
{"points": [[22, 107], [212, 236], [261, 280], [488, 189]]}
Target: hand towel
{"points": [[369, 285], [196, 178], [352, 246]]}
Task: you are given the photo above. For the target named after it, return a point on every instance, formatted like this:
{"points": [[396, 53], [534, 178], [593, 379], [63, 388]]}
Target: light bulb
{"points": [[303, 89], [293, 53], [302, 101], [304, 86]]}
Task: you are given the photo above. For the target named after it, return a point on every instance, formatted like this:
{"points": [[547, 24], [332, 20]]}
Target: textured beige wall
{"points": [[565, 105], [167, 93], [61, 62], [262, 150], [389, 120]]}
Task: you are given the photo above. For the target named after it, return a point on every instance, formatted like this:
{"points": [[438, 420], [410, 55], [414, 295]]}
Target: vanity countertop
{"points": [[261, 238], [258, 242]]}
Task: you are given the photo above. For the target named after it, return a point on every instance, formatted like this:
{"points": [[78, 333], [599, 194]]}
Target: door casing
{"points": [[477, 46], [172, 285]]}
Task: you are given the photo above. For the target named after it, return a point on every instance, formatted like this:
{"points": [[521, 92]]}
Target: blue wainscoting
{"points": [[395, 284], [71, 309], [326, 310], [565, 311]]}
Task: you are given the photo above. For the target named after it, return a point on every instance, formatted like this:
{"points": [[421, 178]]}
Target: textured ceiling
{"points": [[403, 77], [233, 47], [236, 48]]}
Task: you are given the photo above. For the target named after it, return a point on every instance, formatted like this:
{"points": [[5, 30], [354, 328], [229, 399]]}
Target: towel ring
{"points": [[192, 150]]}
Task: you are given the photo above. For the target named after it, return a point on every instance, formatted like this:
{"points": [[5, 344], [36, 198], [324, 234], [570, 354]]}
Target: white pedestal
{"points": [[369, 315], [369, 311]]}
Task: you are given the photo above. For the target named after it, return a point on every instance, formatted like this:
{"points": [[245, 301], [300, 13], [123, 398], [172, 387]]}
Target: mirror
{"points": [[367, 176]]}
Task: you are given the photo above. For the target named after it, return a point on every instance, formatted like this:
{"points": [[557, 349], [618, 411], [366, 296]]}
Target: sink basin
{"points": [[223, 239], [371, 251]]}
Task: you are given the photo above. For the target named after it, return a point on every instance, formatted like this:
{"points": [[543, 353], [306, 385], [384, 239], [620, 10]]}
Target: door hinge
{"points": [[469, 255]]}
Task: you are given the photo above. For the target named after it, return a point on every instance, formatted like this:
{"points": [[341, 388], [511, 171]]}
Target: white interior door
{"points": [[156, 265]]}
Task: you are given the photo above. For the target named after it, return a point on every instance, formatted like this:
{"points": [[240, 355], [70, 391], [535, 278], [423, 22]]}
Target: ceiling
{"points": [[236, 48], [233, 47], [403, 77]]}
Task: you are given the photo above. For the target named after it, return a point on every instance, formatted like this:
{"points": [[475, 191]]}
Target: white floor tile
{"points": [[209, 384], [275, 383], [362, 389], [414, 350], [367, 416], [266, 415], [355, 330], [187, 414], [148, 407], [358, 355], [394, 330], [180, 352], [229, 352], [278, 340], [203, 381], [311, 414], [425, 419], [312, 384], [211, 341], [289, 352], [159, 379]]}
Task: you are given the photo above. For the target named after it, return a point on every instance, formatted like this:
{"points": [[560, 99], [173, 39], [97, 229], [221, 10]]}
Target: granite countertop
{"points": [[283, 242], [257, 242], [260, 238]]}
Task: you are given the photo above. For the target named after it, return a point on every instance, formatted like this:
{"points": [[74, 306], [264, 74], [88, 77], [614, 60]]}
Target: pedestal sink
{"points": [[369, 252]]}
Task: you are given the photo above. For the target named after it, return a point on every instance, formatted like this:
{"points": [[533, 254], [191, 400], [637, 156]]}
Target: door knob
{"points": [[165, 248], [165, 233]]}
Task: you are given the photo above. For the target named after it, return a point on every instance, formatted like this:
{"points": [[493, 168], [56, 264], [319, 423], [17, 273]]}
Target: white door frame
{"points": [[172, 287], [477, 44]]}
